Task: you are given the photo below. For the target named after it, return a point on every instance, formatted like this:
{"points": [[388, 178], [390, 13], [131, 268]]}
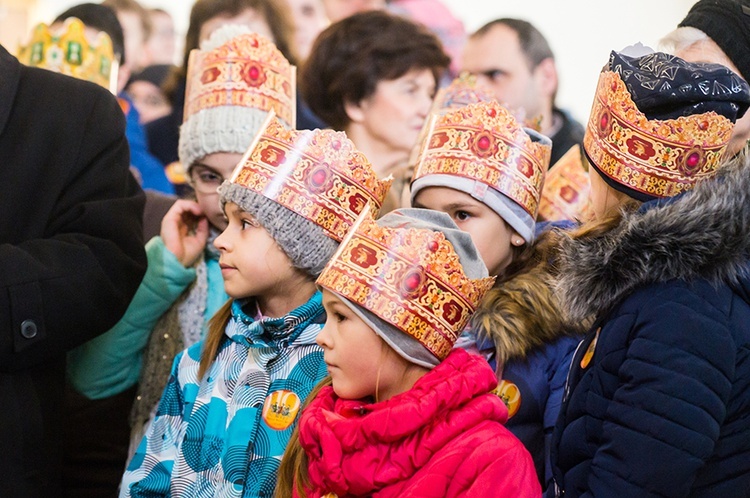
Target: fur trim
{"points": [[703, 234], [520, 315]]}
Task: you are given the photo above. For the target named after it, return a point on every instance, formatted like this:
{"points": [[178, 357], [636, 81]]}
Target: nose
{"points": [[221, 242], [324, 337]]}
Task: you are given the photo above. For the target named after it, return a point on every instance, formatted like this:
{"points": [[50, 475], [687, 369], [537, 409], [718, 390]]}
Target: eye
{"points": [[338, 317], [209, 177], [461, 215], [249, 223]]}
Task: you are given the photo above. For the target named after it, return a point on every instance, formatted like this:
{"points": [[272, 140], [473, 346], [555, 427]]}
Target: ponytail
{"points": [[216, 326]]}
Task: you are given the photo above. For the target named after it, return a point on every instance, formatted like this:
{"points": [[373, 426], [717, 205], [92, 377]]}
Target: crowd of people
{"points": [[309, 260]]}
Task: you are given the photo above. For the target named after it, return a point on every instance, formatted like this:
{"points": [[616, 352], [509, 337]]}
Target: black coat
{"points": [[71, 253]]}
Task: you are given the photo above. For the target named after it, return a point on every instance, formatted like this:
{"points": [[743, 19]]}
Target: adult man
{"points": [[515, 60], [717, 31], [71, 253]]}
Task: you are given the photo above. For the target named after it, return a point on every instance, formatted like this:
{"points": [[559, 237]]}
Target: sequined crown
{"points": [[565, 195], [247, 71], [660, 158], [317, 174], [484, 142], [410, 277], [69, 51]]}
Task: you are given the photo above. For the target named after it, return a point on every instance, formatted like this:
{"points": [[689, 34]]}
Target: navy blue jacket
{"points": [[662, 406]]}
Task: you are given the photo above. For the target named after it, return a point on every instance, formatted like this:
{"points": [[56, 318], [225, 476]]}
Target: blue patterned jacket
{"points": [[224, 435]]}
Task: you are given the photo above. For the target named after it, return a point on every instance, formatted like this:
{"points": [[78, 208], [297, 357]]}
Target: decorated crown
{"points": [[69, 51], [658, 158], [317, 174], [246, 71], [410, 277], [566, 189], [485, 143]]}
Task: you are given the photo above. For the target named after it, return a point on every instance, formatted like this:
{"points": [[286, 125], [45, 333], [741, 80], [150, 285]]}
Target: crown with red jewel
{"points": [[69, 51], [484, 142], [565, 195], [317, 174], [246, 71], [659, 158], [409, 277]]}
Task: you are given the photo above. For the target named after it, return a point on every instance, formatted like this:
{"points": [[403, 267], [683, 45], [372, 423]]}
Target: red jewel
{"points": [[432, 246], [704, 125], [336, 144], [603, 121], [692, 160], [412, 282], [319, 177], [491, 112], [254, 43], [483, 143], [254, 73], [614, 86]]}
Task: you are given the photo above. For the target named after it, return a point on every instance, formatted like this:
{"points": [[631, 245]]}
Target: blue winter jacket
{"points": [[657, 402]]}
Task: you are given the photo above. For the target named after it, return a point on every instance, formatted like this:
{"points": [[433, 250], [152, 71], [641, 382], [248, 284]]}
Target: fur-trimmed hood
{"points": [[702, 234], [520, 315]]}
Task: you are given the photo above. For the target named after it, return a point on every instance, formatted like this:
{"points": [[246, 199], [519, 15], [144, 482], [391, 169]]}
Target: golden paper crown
{"points": [[566, 189], [317, 174], [246, 71], [69, 51], [484, 142], [410, 277], [660, 158]]}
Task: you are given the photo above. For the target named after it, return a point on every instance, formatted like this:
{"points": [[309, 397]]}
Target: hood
{"points": [[702, 234], [519, 315]]}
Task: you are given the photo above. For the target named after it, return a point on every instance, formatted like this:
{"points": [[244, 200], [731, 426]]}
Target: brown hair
{"points": [[275, 12], [293, 471], [350, 57], [216, 326]]}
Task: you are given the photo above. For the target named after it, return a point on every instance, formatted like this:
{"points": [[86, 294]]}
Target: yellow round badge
{"points": [[280, 409], [511, 396]]}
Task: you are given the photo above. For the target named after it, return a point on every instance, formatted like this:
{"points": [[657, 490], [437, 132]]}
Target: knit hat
{"points": [[660, 124], [726, 22], [481, 150], [413, 276], [233, 81], [306, 188]]}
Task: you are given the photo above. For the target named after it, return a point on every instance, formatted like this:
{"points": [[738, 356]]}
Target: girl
{"points": [[183, 286], [480, 167], [402, 414], [658, 398], [232, 400]]}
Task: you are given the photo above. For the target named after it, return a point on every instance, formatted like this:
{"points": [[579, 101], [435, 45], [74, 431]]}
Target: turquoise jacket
{"points": [[111, 363]]}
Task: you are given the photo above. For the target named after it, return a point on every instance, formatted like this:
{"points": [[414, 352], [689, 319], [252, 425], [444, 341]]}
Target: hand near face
{"points": [[184, 231]]}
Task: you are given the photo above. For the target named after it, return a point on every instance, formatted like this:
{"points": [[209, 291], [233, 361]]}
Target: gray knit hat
{"points": [[482, 151], [233, 81], [406, 218]]}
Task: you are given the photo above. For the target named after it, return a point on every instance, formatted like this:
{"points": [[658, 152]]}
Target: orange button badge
{"points": [[280, 409], [511, 396]]}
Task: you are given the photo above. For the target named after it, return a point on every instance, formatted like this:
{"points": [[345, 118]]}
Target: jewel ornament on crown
{"points": [[484, 142], [317, 174], [566, 189], [409, 277], [69, 51], [661, 158], [247, 71]]}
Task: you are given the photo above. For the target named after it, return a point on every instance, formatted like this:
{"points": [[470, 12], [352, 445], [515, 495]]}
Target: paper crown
{"points": [[409, 277], [69, 51], [485, 143], [658, 158], [317, 174], [246, 71], [565, 195]]}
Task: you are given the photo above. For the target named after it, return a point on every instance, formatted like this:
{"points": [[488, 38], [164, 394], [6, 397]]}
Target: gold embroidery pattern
{"points": [[317, 174], [70, 52], [484, 142], [566, 189], [411, 278], [661, 158], [247, 71]]}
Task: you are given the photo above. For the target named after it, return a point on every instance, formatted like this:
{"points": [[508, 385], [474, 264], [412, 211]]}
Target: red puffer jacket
{"points": [[442, 438]]}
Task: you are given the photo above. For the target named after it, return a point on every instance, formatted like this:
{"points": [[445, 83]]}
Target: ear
{"points": [[516, 239], [355, 111], [546, 75]]}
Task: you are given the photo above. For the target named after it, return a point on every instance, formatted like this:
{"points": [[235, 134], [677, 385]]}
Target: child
{"points": [[483, 169], [231, 402], [404, 414]]}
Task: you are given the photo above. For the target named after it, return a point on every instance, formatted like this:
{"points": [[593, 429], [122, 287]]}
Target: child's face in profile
{"points": [[490, 233], [358, 361], [206, 176]]}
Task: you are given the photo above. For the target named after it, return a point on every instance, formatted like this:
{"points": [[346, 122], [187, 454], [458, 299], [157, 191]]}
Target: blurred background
{"points": [[581, 32]]}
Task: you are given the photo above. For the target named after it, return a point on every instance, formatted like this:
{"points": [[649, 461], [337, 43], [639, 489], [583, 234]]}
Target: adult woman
{"points": [[657, 399], [374, 75]]}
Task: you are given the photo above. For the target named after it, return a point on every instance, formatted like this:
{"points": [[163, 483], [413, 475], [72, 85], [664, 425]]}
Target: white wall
{"points": [[581, 32]]}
